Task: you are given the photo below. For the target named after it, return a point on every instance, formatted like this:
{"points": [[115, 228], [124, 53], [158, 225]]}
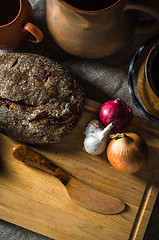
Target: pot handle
{"points": [[149, 7], [130, 78], [34, 31]]}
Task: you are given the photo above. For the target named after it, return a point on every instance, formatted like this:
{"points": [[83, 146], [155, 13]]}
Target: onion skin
{"points": [[116, 111], [127, 152]]}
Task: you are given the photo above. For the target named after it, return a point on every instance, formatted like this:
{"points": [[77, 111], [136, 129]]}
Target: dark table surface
{"points": [[103, 79]]}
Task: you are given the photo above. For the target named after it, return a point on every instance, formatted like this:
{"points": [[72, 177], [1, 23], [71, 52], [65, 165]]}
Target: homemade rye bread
{"points": [[40, 100]]}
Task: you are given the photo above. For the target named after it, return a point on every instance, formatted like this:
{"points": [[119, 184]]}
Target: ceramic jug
{"points": [[94, 32]]}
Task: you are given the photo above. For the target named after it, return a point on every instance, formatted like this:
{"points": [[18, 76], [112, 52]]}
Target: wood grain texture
{"points": [[37, 201]]}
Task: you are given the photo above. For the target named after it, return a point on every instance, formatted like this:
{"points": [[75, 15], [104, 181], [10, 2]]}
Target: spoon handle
{"points": [[32, 158]]}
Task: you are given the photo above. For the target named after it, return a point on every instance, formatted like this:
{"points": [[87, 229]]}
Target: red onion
{"points": [[116, 111]]}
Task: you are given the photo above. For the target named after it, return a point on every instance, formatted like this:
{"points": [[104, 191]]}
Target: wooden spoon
{"points": [[78, 191]]}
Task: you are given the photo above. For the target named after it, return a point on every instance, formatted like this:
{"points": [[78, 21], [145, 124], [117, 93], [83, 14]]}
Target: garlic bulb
{"points": [[96, 137]]}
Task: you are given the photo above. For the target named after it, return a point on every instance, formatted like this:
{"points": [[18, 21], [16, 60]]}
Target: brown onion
{"points": [[127, 152]]}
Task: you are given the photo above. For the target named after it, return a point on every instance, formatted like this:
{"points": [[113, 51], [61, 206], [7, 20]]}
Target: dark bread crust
{"points": [[40, 100]]}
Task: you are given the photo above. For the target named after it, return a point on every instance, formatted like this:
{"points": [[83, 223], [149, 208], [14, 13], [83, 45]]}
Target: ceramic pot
{"points": [[148, 81], [97, 33], [16, 24]]}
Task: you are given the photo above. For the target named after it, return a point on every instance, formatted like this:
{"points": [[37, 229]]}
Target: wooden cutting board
{"points": [[37, 201]]}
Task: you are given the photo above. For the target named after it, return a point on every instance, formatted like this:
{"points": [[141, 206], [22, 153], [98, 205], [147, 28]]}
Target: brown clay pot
{"points": [[148, 81], [20, 28], [96, 33]]}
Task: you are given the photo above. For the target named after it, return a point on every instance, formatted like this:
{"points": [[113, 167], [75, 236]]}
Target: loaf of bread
{"points": [[40, 100]]}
